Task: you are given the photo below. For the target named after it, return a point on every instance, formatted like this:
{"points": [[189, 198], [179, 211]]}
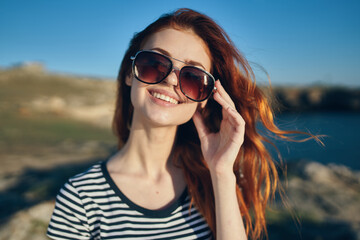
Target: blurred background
{"points": [[58, 65]]}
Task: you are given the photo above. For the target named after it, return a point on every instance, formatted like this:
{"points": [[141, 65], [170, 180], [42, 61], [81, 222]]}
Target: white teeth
{"points": [[164, 97]]}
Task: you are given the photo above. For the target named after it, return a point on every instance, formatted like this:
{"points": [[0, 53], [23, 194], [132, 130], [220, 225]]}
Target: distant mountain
{"points": [[315, 98]]}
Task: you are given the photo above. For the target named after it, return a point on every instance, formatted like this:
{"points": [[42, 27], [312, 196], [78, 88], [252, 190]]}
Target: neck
{"points": [[148, 151]]}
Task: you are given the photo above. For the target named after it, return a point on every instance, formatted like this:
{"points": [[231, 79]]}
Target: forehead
{"points": [[184, 45]]}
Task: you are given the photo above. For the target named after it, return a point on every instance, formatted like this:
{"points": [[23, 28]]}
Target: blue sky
{"points": [[297, 42]]}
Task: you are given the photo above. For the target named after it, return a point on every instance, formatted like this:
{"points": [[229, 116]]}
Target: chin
{"points": [[161, 122], [162, 116]]}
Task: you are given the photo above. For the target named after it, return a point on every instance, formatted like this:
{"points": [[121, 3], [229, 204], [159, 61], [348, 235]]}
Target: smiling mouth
{"points": [[164, 98]]}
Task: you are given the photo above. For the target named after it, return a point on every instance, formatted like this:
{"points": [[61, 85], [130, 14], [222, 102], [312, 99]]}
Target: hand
{"points": [[221, 149]]}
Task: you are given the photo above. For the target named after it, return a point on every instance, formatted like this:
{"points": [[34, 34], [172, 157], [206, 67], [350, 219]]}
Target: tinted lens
{"points": [[151, 67], [195, 83]]}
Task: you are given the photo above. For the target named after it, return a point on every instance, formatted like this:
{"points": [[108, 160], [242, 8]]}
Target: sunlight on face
{"points": [[186, 46]]}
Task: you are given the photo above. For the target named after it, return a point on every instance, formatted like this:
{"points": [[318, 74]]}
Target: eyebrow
{"points": [[190, 62]]}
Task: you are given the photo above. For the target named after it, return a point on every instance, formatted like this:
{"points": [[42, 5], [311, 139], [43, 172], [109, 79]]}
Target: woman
{"points": [[190, 164]]}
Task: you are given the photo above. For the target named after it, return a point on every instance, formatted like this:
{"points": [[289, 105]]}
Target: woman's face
{"points": [[175, 109]]}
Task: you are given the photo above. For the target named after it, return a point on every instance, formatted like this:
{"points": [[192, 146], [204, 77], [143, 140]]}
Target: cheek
{"points": [[186, 112], [136, 94], [133, 94]]}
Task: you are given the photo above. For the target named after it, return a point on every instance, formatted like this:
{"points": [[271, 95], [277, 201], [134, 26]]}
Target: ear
{"points": [[128, 80]]}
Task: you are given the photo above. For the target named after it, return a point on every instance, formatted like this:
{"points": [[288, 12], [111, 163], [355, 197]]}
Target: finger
{"points": [[200, 125], [224, 104], [220, 89], [235, 118]]}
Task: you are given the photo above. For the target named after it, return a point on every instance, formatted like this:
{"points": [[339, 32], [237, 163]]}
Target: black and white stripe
{"points": [[90, 206]]}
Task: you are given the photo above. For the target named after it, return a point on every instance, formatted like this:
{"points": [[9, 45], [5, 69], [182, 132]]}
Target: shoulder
{"points": [[88, 180], [70, 219], [91, 173]]}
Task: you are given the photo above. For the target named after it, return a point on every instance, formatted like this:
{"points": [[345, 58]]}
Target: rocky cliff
{"points": [[314, 98], [324, 198]]}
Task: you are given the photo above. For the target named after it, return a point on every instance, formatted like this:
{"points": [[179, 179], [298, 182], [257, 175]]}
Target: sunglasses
{"points": [[152, 67]]}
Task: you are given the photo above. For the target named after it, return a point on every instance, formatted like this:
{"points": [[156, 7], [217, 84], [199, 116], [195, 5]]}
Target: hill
{"points": [[39, 109], [315, 98]]}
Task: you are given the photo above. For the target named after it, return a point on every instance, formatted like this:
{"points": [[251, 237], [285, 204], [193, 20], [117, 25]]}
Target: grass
{"points": [[18, 86], [46, 130], [22, 86], [29, 131]]}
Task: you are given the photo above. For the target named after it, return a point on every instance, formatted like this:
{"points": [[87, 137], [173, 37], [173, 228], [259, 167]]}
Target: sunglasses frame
{"points": [[171, 70]]}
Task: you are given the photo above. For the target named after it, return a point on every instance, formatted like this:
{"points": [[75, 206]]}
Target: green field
{"points": [[22, 129]]}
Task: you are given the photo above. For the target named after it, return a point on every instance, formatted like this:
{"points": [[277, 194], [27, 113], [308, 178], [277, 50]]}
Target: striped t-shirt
{"points": [[91, 206]]}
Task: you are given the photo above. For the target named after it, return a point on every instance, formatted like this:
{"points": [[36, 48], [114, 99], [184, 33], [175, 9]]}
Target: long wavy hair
{"points": [[255, 170]]}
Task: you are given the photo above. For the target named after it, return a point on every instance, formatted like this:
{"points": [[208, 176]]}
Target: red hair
{"points": [[255, 170]]}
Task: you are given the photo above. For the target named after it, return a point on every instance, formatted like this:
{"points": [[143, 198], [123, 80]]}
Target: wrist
{"points": [[223, 176], [221, 170]]}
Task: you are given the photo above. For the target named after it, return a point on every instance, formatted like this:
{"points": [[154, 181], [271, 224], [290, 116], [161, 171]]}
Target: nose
{"points": [[173, 77]]}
